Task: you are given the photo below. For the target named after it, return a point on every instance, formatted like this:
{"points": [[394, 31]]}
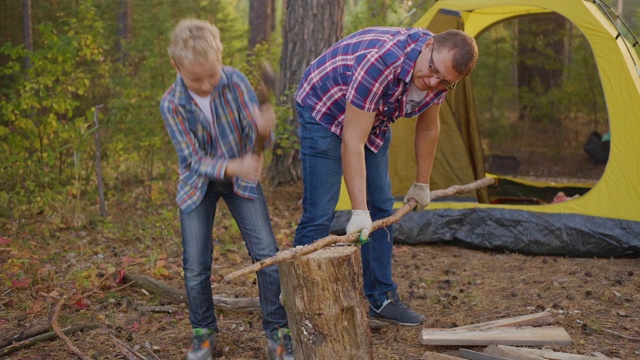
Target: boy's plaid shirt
{"points": [[203, 148]]}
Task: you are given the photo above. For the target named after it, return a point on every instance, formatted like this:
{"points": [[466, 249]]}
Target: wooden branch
{"points": [[622, 336], [290, 254], [25, 334], [176, 296], [61, 335], [43, 337], [125, 350]]}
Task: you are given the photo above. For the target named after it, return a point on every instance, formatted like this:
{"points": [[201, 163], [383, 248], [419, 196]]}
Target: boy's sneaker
{"points": [[202, 344], [279, 345], [395, 310]]}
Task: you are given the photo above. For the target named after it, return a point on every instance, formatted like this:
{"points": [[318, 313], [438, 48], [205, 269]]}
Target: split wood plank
{"points": [[430, 355], [504, 351], [548, 354], [525, 336], [538, 319], [474, 355]]}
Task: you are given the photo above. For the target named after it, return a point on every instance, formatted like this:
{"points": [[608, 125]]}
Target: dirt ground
{"points": [[597, 301]]}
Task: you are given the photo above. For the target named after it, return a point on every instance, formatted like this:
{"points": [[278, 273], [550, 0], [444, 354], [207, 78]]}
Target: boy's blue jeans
{"points": [[253, 220], [322, 177]]}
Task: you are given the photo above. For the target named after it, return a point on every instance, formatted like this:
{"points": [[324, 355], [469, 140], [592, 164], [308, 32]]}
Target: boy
{"points": [[212, 116]]}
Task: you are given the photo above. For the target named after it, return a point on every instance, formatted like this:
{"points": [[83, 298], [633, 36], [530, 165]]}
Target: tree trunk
{"points": [[124, 28], [262, 20], [28, 39], [322, 293], [311, 26]]}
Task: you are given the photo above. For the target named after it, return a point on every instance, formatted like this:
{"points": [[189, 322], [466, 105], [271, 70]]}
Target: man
{"points": [[346, 100]]}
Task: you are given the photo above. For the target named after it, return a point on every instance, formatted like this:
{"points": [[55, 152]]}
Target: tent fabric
{"points": [[605, 221]]}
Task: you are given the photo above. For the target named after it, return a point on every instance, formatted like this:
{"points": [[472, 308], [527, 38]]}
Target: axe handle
{"points": [[266, 86]]}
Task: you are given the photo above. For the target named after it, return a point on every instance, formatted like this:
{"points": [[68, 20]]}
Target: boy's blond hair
{"points": [[195, 40]]}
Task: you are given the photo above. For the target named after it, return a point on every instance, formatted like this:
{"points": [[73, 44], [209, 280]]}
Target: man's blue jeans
{"points": [[322, 176], [253, 220]]}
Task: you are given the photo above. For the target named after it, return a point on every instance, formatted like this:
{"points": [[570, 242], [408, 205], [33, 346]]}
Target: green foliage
{"points": [[576, 95], [368, 13], [45, 114]]}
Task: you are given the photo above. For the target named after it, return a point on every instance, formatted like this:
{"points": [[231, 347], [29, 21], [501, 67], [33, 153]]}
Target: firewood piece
{"points": [[125, 350], [548, 354], [377, 324], [176, 296], [599, 355], [430, 355], [25, 334], [157, 309], [474, 355], [291, 254], [44, 337], [509, 354], [537, 319], [526, 336], [322, 294]]}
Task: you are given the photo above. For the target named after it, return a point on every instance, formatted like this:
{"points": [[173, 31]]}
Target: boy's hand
{"points": [[247, 167]]}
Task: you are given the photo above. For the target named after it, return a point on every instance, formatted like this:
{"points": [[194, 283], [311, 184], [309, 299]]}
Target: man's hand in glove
{"points": [[360, 222], [421, 193]]}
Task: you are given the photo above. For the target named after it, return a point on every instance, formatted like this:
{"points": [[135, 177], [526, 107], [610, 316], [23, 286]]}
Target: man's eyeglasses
{"points": [[436, 73]]}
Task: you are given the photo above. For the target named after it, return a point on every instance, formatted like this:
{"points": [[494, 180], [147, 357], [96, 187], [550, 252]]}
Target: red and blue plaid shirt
{"points": [[203, 148], [371, 69]]}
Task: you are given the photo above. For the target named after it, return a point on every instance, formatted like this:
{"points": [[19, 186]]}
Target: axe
{"points": [[263, 92]]}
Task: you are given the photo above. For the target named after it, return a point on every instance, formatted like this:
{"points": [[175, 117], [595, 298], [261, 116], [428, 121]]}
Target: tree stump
{"points": [[327, 311]]}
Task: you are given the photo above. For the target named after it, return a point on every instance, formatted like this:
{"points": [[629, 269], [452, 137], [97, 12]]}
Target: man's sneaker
{"points": [[395, 310], [202, 344], [279, 345]]}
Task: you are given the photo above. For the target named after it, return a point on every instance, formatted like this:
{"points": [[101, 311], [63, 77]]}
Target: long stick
{"points": [[43, 337], [350, 238], [60, 333]]}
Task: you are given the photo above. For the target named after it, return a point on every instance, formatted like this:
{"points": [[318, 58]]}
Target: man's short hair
{"points": [[195, 40], [465, 49]]}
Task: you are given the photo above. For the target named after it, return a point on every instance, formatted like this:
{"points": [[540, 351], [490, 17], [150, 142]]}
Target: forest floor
{"points": [[66, 252]]}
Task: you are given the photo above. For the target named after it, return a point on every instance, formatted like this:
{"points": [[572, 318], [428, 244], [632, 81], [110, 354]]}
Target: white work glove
{"points": [[421, 193], [360, 222]]}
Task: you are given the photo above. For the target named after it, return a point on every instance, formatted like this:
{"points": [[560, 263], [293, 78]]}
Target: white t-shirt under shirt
{"points": [[414, 97], [204, 102]]}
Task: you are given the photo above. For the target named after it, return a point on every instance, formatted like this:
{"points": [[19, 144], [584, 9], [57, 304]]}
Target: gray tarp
{"points": [[515, 231]]}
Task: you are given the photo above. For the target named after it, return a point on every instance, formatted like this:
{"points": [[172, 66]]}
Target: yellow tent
{"points": [[603, 222]]}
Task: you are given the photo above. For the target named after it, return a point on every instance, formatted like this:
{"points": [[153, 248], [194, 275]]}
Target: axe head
{"points": [[267, 82]]}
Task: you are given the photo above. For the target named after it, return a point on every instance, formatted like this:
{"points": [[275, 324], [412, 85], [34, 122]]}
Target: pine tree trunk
{"points": [[322, 293], [262, 19], [311, 26], [28, 38]]}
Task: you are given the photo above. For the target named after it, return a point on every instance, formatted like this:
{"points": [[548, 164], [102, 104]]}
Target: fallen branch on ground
{"points": [[60, 333], [26, 334], [125, 350], [176, 296], [44, 337], [351, 238]]}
